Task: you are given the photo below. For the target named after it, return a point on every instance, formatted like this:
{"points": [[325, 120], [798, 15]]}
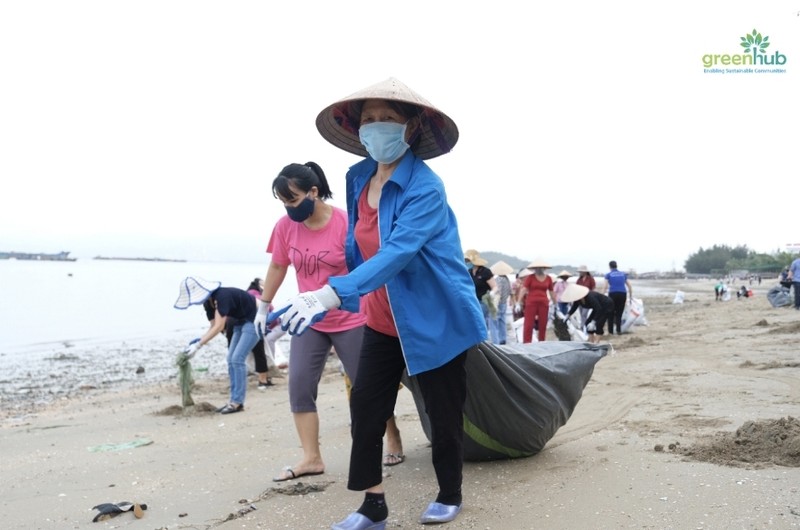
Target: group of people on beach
{"points": [[596, 309], [538, 297], [381, 283], [788, 279]]}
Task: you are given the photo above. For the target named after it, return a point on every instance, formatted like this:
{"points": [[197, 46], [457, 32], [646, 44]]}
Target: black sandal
{"points": [[231, 408]]}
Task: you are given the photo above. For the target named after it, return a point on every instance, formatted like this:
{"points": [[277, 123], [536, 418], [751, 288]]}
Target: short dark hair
{"points": [[612, 264]]}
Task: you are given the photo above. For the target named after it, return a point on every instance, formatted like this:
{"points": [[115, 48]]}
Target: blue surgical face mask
{"points": [[385, 141], [302, 211]]}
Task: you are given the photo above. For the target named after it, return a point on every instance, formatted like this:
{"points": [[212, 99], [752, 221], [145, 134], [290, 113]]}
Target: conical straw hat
{"points": [[539, 263], [501, 268], [574, 292], [338, 123]]}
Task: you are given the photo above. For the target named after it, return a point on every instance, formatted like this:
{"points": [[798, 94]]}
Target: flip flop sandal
{"points": [[109, 509], [393, 459], [289, 474]]}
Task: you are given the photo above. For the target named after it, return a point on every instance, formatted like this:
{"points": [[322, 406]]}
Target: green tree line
{"points": [[722, 259]]}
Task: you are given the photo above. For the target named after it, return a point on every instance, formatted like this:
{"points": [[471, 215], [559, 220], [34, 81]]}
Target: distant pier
{"points": [[37, 256], [139, 259]]}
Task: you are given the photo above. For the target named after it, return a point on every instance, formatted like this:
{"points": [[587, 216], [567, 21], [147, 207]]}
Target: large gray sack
{"points": [[778, 296], [518, 395]]}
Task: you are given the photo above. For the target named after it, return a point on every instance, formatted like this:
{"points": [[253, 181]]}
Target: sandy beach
{"points": [[692, 423]]}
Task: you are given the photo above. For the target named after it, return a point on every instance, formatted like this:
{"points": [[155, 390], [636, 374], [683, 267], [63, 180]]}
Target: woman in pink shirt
{"points": [[311, 239], [558, 289]]}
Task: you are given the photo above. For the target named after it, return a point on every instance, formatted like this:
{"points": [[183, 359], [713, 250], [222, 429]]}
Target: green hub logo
{"points": [[755, 46]]}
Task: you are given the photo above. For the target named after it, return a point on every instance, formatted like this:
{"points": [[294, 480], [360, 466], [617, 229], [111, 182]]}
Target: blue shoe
{"points": [[439, 513], [356, 521]]}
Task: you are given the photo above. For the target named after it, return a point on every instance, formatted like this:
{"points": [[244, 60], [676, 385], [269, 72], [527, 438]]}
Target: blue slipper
{"points": [[439, 513], [357, 521]]}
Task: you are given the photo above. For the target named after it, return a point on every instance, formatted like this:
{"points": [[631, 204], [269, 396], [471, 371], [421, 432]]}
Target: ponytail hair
{"points": [[303, 177]]}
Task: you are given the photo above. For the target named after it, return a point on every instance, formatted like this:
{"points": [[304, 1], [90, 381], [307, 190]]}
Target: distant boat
{"points": [[37, 256]]}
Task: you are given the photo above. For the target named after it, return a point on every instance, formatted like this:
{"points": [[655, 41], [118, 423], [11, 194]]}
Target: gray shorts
{"points": [[308, 355]]}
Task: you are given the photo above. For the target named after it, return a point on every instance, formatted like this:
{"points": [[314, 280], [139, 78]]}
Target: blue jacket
{"points": [[420, 260]]}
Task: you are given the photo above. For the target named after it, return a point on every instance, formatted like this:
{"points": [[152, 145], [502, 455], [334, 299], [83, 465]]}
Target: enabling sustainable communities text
{"points": [[776, 59], [744, 71]]}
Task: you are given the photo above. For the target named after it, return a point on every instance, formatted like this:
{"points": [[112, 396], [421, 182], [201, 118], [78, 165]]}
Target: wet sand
{"points": [[690, 423]]}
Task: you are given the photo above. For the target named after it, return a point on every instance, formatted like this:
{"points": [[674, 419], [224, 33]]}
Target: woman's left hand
{"points": [[306, 309]]}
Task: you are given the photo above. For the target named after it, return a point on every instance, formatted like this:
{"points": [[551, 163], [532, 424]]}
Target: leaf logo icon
{"points": [[754, 42]]}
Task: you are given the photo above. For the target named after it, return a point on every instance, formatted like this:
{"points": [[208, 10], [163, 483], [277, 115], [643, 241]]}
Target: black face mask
{"points": [[302, 211]]}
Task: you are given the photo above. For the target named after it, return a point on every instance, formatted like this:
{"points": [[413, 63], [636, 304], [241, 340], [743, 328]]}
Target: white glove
{"points": [[591, 327], [306, 309], [260, 321], [192, 348], [495, 297]]}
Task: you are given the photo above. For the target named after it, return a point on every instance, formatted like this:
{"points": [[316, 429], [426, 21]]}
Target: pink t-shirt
{"points": [[558, 288], [315, 255]]}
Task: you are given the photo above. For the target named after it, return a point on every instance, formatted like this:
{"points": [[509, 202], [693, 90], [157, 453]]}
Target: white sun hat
{"points": [[194, 291]]}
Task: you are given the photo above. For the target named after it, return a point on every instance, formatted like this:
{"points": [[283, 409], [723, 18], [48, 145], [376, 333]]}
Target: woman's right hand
{"points": [[192, 348]]}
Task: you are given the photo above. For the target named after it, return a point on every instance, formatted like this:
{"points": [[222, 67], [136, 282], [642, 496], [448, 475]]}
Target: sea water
{"points": [[47, 302], [66, 324]]}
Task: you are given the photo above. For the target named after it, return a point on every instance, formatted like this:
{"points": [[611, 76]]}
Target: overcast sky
{"points": [[588, 130]]}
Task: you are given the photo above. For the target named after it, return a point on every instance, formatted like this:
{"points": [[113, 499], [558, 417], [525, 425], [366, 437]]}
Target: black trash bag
{"points": [[518, 395]]}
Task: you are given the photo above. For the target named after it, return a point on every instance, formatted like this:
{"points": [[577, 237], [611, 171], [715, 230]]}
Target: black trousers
{"points": [[372, 402], [619, 308]]}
